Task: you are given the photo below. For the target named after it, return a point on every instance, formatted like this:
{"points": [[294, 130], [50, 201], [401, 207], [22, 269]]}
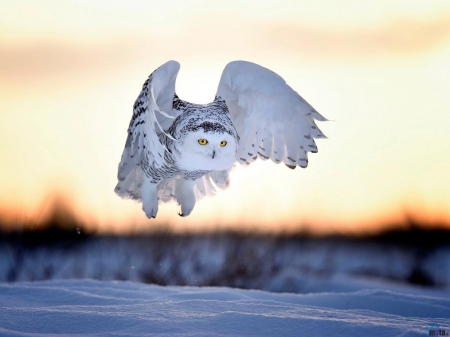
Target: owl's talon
{"points": [[150, 199], [184, 191]]}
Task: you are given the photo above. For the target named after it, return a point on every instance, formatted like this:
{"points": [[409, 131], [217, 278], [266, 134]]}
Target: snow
{"points": [[54, 284], [124, 308]]}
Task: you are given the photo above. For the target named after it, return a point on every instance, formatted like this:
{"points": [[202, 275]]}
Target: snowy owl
{"points": [[176, 150]]}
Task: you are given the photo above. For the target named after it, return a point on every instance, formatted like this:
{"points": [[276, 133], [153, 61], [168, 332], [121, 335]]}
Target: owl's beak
{"points": [[214, 154]]}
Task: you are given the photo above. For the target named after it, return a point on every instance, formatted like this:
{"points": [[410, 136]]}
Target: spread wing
{"points": [[152, 114], [272, 120]]}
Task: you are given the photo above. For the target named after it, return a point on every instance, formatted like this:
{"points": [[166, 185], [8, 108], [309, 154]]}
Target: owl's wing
{"points": [[152, 114], [272, 120]]}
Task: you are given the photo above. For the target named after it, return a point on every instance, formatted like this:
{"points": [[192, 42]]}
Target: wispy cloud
{"points": [[41, 61], [397, 37]]}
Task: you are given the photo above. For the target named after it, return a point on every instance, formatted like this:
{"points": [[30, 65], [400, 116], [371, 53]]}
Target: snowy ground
{"points": [[55, 283], [117, 308]]}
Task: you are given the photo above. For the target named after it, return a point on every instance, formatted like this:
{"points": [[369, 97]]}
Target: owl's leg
{"points": [[184, 192], [149, 198]]}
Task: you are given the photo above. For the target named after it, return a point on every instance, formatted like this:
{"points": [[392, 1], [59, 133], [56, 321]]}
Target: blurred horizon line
{"points": [[59, 214]]}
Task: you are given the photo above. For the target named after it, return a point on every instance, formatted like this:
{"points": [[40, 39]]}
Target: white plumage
{"points": [[176, 150]]}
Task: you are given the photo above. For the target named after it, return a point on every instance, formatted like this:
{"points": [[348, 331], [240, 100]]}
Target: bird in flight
{"points": [[176, 150]]}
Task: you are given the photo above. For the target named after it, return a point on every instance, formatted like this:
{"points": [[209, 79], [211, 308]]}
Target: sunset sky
{"points": [[380, 71]]}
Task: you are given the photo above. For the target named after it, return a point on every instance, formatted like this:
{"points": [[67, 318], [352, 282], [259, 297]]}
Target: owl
{"points": [[180, 151]]}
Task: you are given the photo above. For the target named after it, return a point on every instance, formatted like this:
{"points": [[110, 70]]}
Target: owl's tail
{"points": [[131, 186], [203, 188]]}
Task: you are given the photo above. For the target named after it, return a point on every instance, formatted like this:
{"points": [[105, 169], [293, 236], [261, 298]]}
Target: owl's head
{"points": [[210, 146]]}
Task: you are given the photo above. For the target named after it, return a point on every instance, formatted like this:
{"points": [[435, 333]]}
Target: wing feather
{"points": [[267, 142], [290, 159], [272, 120], [152, 114]]}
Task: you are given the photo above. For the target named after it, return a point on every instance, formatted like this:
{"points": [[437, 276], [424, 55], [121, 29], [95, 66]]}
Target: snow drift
{"points": [[94, 308]]}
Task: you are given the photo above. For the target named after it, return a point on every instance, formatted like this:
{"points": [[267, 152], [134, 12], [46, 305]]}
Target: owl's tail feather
{"points": [[131, 185], [202, 188]]}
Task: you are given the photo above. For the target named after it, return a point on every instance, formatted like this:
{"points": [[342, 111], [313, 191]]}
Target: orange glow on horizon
{"points": [[68, 211], [69, 75]]}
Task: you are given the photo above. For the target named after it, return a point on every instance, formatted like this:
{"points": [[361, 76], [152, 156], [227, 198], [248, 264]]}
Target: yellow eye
{"points": [[202, 141], [223, 143]]}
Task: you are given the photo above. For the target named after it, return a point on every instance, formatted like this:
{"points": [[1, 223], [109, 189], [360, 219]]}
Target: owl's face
{"points": [[208, 151]]}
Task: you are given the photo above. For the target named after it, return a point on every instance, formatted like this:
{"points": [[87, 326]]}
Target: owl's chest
{"points": [[172, 167]]}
